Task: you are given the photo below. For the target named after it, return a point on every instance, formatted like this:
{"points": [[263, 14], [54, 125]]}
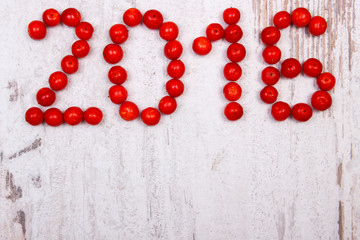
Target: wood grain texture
{"points": [[194, 176]]}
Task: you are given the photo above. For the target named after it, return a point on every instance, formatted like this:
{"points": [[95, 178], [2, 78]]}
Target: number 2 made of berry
{"points": [[169, 31]]}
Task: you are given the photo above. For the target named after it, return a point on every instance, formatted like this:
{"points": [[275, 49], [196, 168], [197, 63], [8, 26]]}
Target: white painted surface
{"points": [[195, 175]]}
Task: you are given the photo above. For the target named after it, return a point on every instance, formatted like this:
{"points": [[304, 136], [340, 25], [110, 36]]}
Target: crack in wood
{"points": [[36, 144], [15, 192], [20, 218], [341, 220]]}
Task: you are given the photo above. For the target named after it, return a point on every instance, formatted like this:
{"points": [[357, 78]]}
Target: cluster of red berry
{"points": [[291, 68], [236, 53], [69, 64], [113, 54]]}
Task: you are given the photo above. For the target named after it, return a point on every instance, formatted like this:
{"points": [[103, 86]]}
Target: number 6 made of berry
{"points": [[169, 31]]}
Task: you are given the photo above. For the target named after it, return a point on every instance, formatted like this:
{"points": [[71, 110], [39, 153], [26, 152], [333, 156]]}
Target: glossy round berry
{"points": [[326, 81], [53, 117], [51, 17], [290, 68], [176, 69], [69, 64], [117, 75], [233, 111], [269, 94], [232, 91], [153, 19], [282, 20], [58, 81], [128, 111], [202, 45], [236, 52], [169, 31], [214, 32], [301, 112], [113, 53], [118, 94], [37, 30], [167, 105], [312, 67], [118, 33], [93, 116], [80, 48], [317, 26], [173, 50], [45, 97], [272, 54], [150, 116], [270, 75], [300, 17], [270, 35], [233, 33], [231, 15], [84, 30], [232, 71], [321, 100], [34, 116], [174, 87], [280, 111], [132, 17], [71, 17], [73, 116]]}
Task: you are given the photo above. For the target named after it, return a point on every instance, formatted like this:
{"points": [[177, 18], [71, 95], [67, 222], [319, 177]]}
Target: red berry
{"points": [[45, 97], [321, 100], [93, 116], [80, 48], [174, 87], [132, 17], [232, 71], [312, 67], [113, 53], [84, 30], [69, 64], [232, 91], [269, 94], [233, 111], [73, 116], [290, 68], [271, 54], [118, 94], [317, 26], [37, 30], [300, 17], [150, 116], [169, 31], [51, 17], [231, 15], [326, 81], [202, 45], [128, 111], [233, 33], [270, 35], [58, 81], [117, 75], [118, 33], [34, 116], [214, 32], [53, 117], [282, 20], [173, 50], [71, 17], [236, 52], [270, 75], [176, 69], [301, 112], [280, 111], [153, 19], [167, 105]]}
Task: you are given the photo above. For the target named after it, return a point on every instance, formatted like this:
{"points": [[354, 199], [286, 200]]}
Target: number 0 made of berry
{"points": [[58, 80], [236, 52], [113, 54]]}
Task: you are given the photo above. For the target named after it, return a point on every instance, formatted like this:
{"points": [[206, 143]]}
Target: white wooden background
{"points": [[195, 175]]}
